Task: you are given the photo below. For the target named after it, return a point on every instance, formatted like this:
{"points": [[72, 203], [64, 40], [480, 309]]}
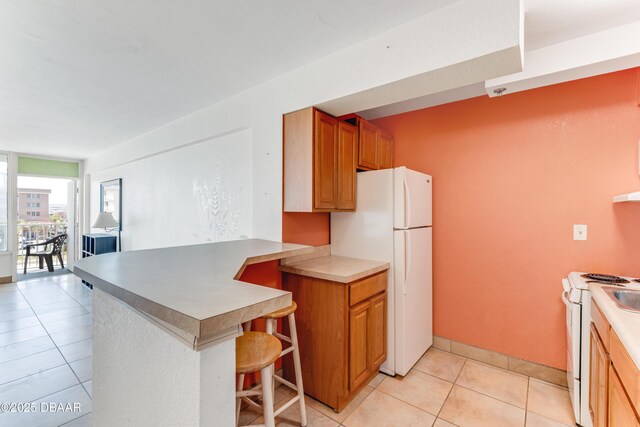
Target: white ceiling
{"points": [[547, 22], [553, 21], [77, 77]]}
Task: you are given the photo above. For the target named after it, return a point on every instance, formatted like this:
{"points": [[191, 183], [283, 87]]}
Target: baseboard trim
{"points": [[501, 360], [5, 280]]}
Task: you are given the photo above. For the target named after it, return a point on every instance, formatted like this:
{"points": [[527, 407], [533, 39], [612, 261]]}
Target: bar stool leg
{"points": [[270, 327], [297, 368], [266, 375], [246, 326]]}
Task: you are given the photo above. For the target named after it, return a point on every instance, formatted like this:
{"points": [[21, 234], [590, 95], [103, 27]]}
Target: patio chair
{"points": [[52, 247]]}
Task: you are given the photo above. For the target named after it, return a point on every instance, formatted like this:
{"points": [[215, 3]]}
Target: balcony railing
{"points": [[38, 232]]}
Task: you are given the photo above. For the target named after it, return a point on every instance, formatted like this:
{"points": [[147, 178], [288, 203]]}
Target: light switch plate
{"points": [[579, 232]]}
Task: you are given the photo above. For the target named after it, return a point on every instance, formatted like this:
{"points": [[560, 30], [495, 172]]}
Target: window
{"points": [[4, 200]]}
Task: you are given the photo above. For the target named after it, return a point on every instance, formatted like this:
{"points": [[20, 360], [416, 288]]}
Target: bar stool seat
{"points": [[257, 351], [282, 312]]}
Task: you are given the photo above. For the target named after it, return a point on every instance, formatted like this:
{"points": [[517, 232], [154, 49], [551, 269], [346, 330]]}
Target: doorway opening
{"points": [[46, 231]]}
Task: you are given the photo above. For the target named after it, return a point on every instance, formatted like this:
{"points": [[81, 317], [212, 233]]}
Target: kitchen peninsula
{"points": [[164, 324]]}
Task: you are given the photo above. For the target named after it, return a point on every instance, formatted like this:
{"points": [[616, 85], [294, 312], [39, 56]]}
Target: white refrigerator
{"points": [[392, 223]]}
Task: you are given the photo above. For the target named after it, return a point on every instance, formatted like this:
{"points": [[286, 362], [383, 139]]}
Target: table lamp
{"points": [[108, 222]]}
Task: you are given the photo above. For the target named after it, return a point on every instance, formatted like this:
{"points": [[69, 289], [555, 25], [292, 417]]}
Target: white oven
{"points": [[577, 300]]}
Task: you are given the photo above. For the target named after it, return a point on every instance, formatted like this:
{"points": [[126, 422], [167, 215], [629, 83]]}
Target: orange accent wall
{"points": [[306, 228], [511, 177]]}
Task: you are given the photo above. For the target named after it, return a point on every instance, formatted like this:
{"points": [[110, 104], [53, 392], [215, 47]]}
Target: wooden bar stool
{"points": [[257, 351], [272, 326]]}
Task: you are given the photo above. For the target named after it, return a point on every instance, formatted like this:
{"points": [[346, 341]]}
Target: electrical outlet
{"points": [[579, 232]]}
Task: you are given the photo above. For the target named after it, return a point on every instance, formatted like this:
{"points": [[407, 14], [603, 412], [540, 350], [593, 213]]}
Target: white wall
{"points": [[195, 194], [463, 43], [9, 258]]}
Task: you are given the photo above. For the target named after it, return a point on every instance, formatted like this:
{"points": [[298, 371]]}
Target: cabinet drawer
{"points": [[601, 323], [367, 287], [626, 369]]}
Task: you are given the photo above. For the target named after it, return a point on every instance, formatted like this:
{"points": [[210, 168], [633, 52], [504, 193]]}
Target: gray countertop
{"points": [[193, 288], [336, 268]]}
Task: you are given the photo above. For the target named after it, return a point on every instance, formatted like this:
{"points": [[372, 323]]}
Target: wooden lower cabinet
{"points": [[378, 333], [621, 412], [614, 380], [599, 378], [341, 334], [359, 324]]}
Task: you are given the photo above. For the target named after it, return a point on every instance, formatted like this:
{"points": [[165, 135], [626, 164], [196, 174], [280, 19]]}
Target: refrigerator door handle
{"points": [[407, 202], [407, 260]]}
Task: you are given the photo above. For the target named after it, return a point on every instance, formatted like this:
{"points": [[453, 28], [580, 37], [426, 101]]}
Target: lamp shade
{"points": [[106, 220]]}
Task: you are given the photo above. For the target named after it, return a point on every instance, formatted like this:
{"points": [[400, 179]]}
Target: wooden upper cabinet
{"points": [[325, 176], [375, 147], [319, 162], [368, 146], [347, 153], [385, 150]]}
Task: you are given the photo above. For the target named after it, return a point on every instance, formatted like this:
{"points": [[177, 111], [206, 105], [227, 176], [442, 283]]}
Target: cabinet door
{"points": [[621, 413], [599, 378], [385, 150], [378, 330], [347, 147], [367, 146], [324, 163], [359, 324]]}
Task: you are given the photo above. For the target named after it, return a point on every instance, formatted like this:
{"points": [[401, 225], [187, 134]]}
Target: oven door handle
{"points": [[565, 299]]}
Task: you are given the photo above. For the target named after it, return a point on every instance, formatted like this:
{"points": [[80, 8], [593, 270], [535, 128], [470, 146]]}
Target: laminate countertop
{"points": [[192, 288], [625, 323], [336, 268]]}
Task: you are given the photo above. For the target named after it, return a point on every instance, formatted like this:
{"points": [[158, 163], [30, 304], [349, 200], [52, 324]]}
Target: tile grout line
{"points": [[526, 402], [467, 388], [398, 399], [452, 386], [54, 343]]}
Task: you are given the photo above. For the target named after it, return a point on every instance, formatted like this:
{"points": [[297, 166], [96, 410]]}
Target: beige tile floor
{"points": [[442, 390], [45, 356], [45, 350]]}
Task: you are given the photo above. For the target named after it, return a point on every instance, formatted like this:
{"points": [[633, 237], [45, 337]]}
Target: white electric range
{"points": [[577, 298]]}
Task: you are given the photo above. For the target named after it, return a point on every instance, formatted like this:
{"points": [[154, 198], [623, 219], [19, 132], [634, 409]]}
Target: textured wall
{"points": [[196, 194], [511, 177], [144, 376]]}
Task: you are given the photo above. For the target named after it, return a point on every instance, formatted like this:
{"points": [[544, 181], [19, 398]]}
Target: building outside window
{"points": [[38, 211]]}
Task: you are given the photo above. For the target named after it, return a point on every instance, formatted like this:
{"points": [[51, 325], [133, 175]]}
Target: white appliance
{"points": [[577, 299], [392, 223]]}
